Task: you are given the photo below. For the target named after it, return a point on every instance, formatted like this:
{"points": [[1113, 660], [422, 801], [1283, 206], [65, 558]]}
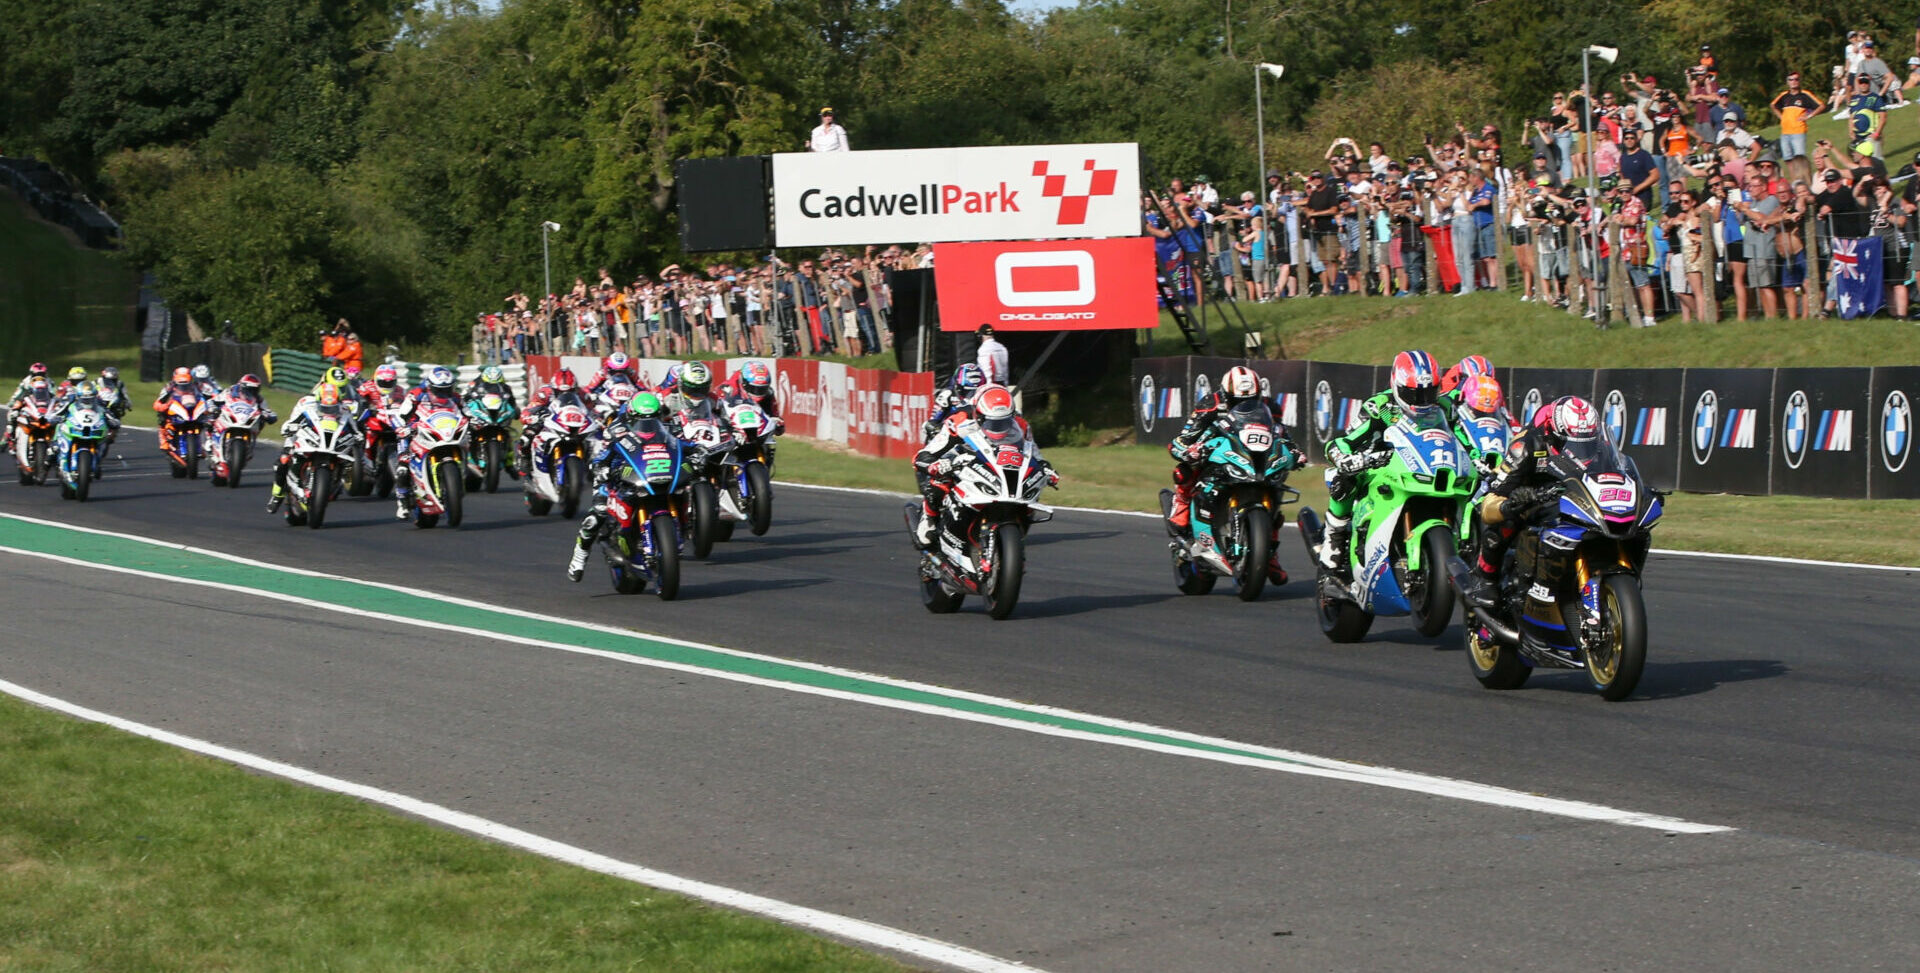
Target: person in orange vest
{"points": [[351, 357], [333, 343]]}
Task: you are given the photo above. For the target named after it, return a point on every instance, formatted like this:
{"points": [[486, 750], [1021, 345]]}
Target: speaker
{"points": [[723, 203]]}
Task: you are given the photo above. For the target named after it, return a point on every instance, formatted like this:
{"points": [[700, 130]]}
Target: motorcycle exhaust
{"points": [[1462, 580]]}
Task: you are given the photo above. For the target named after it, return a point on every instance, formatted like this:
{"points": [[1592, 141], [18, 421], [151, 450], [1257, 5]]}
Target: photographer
{"points": [[1323, 211]]}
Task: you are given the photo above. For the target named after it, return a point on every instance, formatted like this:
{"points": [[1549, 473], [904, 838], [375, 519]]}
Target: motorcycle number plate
{"points": [[652, 450], [1257, 437], [330, 425], [1010, 456], [704, 433], [490, 401], [656, 466], [445, 424]]}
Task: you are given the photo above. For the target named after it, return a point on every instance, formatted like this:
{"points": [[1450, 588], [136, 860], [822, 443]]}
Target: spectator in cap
{"points": [[828, 136], [1793, 107], [1723, 106], [1204, 193], [1880, 76]]}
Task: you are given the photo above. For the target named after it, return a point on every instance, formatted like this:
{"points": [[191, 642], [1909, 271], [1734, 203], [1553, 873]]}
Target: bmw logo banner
{"points": [[1727, 414], [1893, 469], [1640, 410], [1821, 433]]}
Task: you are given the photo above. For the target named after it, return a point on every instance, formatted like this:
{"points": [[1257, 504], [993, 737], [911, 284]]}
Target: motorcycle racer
{"points": [[35, 370], [436, 391], [616, 367], [75, 376], [110, 381], [645, 421], [1238, 386], [491, 381], [334, 376], [204, 384], [182, 384], [692, 385], [754, 383], [992, 409], [247, 389], [1571, 426], [966, 382], [1415, 391], [1464, 369], [324, 403]]}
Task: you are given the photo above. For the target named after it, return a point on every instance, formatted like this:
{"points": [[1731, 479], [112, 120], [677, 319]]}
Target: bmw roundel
{"points": [[1323, 411], [1614, 416], [1794, 433], [1706, 420], [1147, 404], [1202, 388], [1530, 405], [1896, 430]]}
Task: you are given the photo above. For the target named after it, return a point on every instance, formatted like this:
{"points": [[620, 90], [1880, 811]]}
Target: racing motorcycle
{"points": [[747, 467], [379, 442], [1405, 521], [715, 510], [322, 452], [491, 422], [230, 445], [79, 445], [979, 547], [557, 471], [1568, 592], [183, 429], [33, 435], [612, 399], [437, 461], [1241, 490], [647, 506]]}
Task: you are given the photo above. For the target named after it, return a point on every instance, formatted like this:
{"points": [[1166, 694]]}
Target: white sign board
{"points": [[1019, 192]]}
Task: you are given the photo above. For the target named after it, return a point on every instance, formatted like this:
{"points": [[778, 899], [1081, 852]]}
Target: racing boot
{"points": [[923, 531], [1479, 591], [1333, 546], [1181, 516], [1275, 573], [279, 497], [577, 566], [402, 509]]}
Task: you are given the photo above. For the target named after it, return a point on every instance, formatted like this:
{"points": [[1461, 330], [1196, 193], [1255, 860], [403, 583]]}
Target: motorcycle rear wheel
{"points": [[626, 580], [383, 472], [706, 511], [1435, 609], [1009, 568], [1495, 665], [318, 496], [538, 506], [1615, 670], [1190, 579], [666, 556], [1256, 525], [760, 503]]}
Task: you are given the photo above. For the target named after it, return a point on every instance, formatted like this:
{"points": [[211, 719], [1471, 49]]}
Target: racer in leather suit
{"points": [[616, 367], [959, 391], [1239, 385], [646, 420], [493, 381], [992, 409], [326, 403], [436, 392], [1568, 425]]}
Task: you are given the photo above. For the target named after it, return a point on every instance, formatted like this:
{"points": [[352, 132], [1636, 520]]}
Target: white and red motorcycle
{"points": [[230, 446], [437, 461]]}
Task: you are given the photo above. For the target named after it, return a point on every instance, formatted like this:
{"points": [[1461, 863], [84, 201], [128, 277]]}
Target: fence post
{"points": [[1709, 297], [1814, 293]]}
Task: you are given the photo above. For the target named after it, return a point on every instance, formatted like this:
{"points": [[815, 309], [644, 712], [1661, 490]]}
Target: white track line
{"points": [[1249, 755], [838, 926]]}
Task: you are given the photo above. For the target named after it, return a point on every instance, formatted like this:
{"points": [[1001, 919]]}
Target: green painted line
{"points": [[162, 558]]}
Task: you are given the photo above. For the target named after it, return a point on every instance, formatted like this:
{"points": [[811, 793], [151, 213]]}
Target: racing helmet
{"points": [[994, 407], [618, 362], [671, 380], [181, 376], [492, 375], [1465, 368], [202, 373], [563, 381], [440, 380], [756, 379], [696, 379], [37, 368], [969, 376], [646, 405], [328, 395], [353, 373], [86, 392], [1482, 394], [334, 376], [386, 377], [1416, 381], [76, 374], [1239, 385], [250, 382], [110, 375], [1572, 427]]}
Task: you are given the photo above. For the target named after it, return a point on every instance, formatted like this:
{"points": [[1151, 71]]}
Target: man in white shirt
{"points": [[992, 358], [828, 137]]}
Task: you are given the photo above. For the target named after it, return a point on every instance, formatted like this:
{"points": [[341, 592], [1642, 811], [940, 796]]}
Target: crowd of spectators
{"points": [[835, 303], [1682, 197]]}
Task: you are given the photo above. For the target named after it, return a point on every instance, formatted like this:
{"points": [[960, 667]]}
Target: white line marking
{"points": [[1291, 525], [843, 927], [1252, 755]]}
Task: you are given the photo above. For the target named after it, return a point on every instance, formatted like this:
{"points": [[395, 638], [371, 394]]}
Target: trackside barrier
{"points": [[1822, 432], [873, 412], [301, 370]]}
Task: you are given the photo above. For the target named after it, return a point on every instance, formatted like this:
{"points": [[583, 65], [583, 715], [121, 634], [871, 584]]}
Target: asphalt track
{"points": [[1778, 700]]}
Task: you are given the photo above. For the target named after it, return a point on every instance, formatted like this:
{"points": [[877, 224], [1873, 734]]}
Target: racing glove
{"points": [[1519, 503], [1350, 463], [1053, 475]]}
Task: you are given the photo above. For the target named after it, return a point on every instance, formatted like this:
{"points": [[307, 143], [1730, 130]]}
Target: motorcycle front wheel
{"points": [[236, 459], [760, 501], [574, 473], [193, 460], [1256, 548], [453, 489], [490, 478], [1009, 567], [666, 556], [1615, 663], [38, 453], [318, 494], [706, 510], [1434, 609], [83, 475]]}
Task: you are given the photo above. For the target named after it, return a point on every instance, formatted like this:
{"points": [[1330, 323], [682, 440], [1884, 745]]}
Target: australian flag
{"points": [[1856, 276]]}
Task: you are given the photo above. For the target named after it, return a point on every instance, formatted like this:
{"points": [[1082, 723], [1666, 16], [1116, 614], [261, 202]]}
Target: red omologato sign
{"points": [[1054, 285]]}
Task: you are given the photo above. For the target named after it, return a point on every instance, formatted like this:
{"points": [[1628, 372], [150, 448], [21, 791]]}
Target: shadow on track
{"points": [[735, 552], [1082, 604], [1673, 680], [1044, 537]]}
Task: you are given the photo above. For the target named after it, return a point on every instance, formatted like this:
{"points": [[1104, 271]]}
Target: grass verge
{"points": [[124, 854], [55, 298], [1130, 478]]}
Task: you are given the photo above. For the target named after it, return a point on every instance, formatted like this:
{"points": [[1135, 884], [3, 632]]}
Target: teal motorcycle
{"points": [[79, 443], [1406, 518], [490, 418], [1236, 504]]}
